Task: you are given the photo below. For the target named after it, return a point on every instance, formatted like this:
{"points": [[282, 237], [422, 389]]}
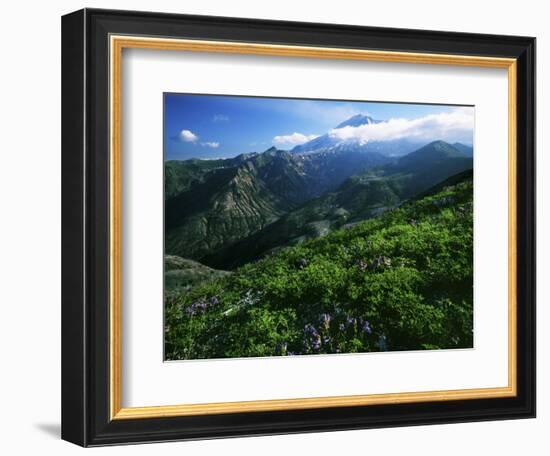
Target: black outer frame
{"points": [[85, 227]]}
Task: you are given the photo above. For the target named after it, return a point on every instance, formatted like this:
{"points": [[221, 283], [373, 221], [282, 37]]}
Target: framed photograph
{"points": [[278, 227]]}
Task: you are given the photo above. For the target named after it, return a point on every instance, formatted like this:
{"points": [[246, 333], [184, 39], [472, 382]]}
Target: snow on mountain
{"points": [[358, 120], [332, 143]]}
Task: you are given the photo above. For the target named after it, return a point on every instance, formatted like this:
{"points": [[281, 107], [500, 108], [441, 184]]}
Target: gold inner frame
{"points": [[117, 44]]}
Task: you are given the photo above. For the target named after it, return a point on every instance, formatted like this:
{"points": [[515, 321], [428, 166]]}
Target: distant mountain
{"points": [[180, 175], [465, 149], [330, 143], [360, 197], [213, 204], [326, 170], [425, 167], [357, 120], [232, 200]]}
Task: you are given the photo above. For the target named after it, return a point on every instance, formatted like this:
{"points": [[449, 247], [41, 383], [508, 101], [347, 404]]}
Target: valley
{"points": [[226, 213]]}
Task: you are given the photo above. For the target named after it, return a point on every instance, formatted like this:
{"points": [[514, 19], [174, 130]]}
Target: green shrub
{"points": [[401, 281]]}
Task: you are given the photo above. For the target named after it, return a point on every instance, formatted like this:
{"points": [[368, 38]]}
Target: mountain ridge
{"points": [[360, 197], [223, 201], [213, 206]]}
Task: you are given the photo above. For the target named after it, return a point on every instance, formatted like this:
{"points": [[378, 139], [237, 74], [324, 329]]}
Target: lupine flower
{"points": [[302, 262], [310, 330], [342, 327], [316, 342], [311, 336], [366, 327], [197, 307], [214, 300]]}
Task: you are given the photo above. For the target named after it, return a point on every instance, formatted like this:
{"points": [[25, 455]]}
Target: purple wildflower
{"points": [[316, 342], [310, 330], [197, 307], [312, 338], [366, 327]]}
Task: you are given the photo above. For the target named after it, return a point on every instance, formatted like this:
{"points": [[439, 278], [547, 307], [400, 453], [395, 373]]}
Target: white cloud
{"points": [[188, 136], [456, 125], [293, 140], [220, 118]]}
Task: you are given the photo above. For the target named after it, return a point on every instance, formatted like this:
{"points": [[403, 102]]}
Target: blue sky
{"points": [[212, 126]]}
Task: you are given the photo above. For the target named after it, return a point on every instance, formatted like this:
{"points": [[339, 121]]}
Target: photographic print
{"points": [[305, 226], [221, 236]]}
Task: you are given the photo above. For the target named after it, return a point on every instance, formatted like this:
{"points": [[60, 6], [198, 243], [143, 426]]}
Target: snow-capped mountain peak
{"points": [[358, 120], [330, 142]]}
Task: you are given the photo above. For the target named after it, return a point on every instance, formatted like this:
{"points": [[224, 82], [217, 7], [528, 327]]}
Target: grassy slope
{"points": [[400, 281]]}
